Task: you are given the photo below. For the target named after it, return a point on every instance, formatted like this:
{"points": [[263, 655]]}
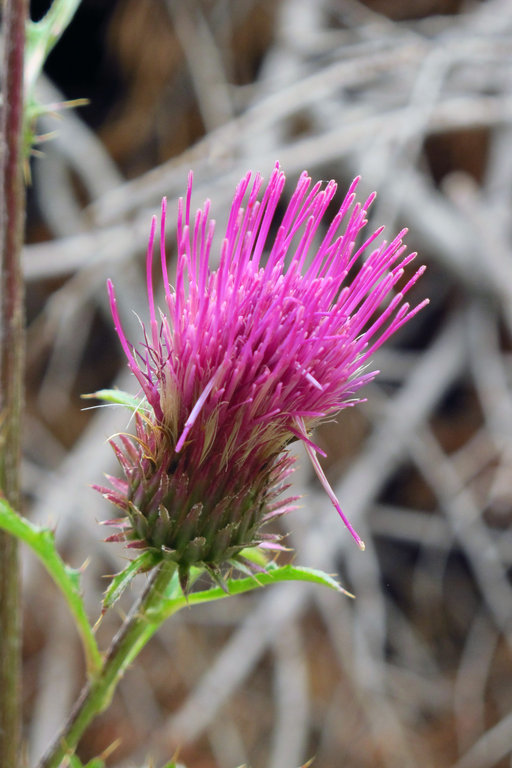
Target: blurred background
{"points": [[416, 96]]}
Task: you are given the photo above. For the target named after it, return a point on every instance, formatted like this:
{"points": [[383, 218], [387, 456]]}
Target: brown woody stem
{"points": [[12, 213]]}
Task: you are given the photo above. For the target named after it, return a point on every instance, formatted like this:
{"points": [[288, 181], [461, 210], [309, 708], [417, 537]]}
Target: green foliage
{"points": [[174, 599], [121, 580], [255, 555], [41, 37], [42, 543], [117, 397], [172, 764], [75, 762]]}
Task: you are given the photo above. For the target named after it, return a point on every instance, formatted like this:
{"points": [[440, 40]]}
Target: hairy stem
{"points": [[97, 693], [12, 213]]}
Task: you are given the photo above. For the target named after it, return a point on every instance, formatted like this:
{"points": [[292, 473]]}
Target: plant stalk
{"points": [[12, 217], [97, 693]]}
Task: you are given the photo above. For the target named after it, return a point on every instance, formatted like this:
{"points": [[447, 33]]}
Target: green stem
{"points": [[12, 213], [96, 695]]}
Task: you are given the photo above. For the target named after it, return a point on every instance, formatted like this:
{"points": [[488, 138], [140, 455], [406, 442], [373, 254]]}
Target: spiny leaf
{"points": [[121, 580], [302, 573], [73, 575], [42, 543], [274, 574], [75, 762]]}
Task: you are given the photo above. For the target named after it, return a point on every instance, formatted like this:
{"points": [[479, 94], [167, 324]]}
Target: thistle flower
{"points": [[246, 358]]}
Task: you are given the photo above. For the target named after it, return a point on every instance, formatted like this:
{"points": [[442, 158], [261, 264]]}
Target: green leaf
{"points": [[117, 397], [273, 575], [75, 762], [121, 580], [301, 573], [255, 555], [172, 764], [43, 35], [42, 542]]}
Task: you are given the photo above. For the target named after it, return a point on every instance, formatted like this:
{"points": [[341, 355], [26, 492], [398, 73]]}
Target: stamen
{"points": [[194, 414], [325, 483]]}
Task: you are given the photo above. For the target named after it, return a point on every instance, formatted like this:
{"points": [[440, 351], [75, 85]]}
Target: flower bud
{"points": [[245, 358]]}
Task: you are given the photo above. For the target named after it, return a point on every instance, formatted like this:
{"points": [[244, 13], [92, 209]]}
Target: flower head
{"points": [[246, 357]]}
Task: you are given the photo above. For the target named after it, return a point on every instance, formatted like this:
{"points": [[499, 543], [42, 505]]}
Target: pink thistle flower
{"points": [[246, 358]]}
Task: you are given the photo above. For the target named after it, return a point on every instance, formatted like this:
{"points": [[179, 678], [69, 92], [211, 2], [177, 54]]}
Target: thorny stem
{"points": [[97, 693], [12, 215]]}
